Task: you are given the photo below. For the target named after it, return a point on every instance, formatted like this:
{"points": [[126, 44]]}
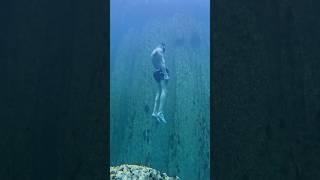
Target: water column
{"points": [[180, 147]]}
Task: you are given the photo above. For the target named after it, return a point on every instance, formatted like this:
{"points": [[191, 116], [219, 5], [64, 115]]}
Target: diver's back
{"points": [[156, 60]]}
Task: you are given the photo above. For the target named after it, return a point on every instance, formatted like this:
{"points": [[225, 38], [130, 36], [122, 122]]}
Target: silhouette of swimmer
{"points": [[161, 76]]}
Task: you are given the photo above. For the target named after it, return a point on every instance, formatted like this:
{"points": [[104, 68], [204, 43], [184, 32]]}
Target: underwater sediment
{"points": [[136, 172]]}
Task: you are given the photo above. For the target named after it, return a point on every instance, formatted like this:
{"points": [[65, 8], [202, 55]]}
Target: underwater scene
{"points": [[160, 89]]}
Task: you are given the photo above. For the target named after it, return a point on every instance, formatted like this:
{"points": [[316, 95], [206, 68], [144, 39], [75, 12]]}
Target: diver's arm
{"points": [[155, 51], [163, 68]]}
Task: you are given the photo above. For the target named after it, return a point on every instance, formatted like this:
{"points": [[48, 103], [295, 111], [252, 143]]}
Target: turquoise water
{"points": [[181, 147]]}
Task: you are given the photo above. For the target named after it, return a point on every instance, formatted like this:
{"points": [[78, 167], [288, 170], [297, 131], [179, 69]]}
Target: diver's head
{"points": [[163, 47]]}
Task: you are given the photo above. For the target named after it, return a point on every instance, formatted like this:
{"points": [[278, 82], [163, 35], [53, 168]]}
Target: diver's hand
{"points": [[166, 77]]}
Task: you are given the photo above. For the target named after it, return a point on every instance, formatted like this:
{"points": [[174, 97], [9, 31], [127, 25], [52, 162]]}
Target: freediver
{"points": [[161, 76]]}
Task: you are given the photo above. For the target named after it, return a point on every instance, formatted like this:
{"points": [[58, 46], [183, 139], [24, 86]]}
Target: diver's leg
{"points": [[156, 101], [163, 96]]}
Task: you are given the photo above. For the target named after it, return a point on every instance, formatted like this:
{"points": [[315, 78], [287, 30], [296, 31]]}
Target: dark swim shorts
{"points": [[158, 75]]}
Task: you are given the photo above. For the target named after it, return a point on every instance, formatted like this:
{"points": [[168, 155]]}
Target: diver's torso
{"points": [[156, 60]]}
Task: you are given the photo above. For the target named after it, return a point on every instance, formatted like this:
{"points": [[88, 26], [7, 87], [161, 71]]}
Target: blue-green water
{"points": [[181, 147]]}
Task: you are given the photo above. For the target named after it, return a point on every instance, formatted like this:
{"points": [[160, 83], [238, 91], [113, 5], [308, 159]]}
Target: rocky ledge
{"points": [[135, 172]]}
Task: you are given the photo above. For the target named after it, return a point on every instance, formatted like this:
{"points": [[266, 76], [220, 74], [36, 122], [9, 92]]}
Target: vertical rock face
{"points": [[180, 147], [266, 95]]}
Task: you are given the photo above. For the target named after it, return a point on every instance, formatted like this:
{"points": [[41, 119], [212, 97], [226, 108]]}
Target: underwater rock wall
{"points": [[180, 147]]}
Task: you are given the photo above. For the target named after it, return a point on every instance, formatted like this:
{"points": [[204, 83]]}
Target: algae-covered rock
{"points": [[136, 172]]}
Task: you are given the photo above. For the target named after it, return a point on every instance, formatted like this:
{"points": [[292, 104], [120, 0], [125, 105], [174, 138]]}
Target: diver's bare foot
{"points": [[154, 115], [161, 117]]}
